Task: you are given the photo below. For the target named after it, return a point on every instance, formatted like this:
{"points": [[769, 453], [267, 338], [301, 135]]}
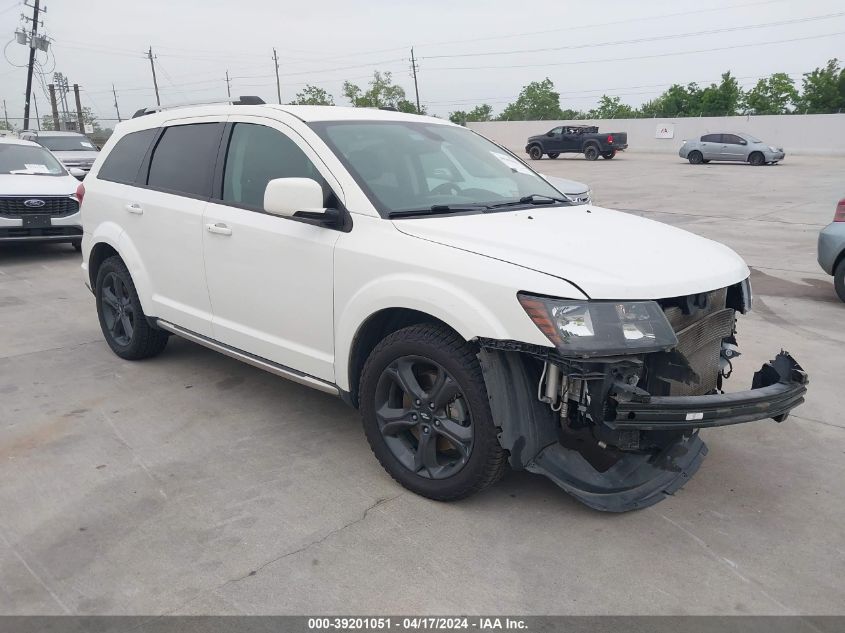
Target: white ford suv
{"points": [[474, 315]]}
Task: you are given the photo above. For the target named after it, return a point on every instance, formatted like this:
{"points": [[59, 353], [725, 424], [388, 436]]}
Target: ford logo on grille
{"points": [[34, 203]]}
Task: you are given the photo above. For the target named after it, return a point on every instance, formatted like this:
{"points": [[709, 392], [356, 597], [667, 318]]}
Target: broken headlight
{"points": [[600, 328]]}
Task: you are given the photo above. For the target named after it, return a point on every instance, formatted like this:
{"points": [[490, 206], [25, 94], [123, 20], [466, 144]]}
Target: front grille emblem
{"points": [[34, 203]]}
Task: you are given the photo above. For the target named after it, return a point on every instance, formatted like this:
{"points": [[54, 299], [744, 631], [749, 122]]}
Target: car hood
{"points": [[27, 185], [607, 254], [564, 185], [74, 155]]}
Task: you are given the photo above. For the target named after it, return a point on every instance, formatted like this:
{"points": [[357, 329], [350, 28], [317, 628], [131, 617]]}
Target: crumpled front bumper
{"points": [[776, 389]]}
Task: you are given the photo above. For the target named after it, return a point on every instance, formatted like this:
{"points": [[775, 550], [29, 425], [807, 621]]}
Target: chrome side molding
{"points": [[255, 361]]}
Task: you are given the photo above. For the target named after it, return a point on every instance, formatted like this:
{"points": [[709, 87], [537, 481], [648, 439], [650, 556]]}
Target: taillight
{"points": [[80, 193], [610, 138], [839, 216]]}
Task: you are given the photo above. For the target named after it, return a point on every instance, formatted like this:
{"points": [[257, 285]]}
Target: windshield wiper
{"points": [[437, 209], [534, 198]]}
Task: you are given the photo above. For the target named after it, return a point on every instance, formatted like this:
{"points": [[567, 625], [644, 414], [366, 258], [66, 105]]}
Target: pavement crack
{"points": [[276, 559], [51, 349], [801, 417], [318, 541]]}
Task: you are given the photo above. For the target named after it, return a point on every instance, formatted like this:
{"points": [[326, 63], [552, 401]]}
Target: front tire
{"points": [[426, 414], [591, 152], [695, 158], [535, 152], [757, 159], [839, 280], [122, 320]]}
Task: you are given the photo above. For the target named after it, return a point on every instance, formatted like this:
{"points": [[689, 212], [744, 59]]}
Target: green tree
{"points": [[410, 107], [483, 112], [312, 95], [772, 95], [611, 108], [536, 102], [823, 90], [382, 93], [722, 99], [8, 126], [677, 100]]}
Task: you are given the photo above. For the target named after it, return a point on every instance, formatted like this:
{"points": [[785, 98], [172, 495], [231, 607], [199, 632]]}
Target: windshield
{"points": [[74, 143], [414, 166], [28, 159], [751, 139]]}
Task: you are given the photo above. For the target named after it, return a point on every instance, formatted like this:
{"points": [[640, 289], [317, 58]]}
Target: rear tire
{"points": [[695, 158], [591, 152], [426, 414], [554, 155], [839, 280], [757, 159], [122, 320], [609, 155], [535, 152]]}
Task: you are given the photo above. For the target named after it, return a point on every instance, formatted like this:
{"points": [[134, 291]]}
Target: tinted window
{"points": [[256, 155], [183, 160], [731, 139], [69, 143], [710, 138], [124, 161]]}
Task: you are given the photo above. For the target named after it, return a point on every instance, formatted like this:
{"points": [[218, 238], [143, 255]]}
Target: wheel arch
{"points": [[111, 240], [375, 328]]}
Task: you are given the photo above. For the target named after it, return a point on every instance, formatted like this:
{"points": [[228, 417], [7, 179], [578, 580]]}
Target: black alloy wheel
{"points": [[118, 312], [591, 152], [424, 417], [535, 152], [695, 158]]}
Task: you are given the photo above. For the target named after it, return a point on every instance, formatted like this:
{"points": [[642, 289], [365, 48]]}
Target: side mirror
{"points": [[743, 142], [550, 133], [298, 198], [76, 172]]}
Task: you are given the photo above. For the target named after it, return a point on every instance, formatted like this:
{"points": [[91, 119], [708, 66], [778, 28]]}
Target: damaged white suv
{"points": [[474, 315]]}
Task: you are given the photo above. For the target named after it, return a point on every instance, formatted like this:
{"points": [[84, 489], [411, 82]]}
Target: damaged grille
{"points": [[693, 367]]}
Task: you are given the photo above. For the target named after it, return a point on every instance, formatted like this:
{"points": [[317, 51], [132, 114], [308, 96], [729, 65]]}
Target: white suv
{"points": [[427, 276]]}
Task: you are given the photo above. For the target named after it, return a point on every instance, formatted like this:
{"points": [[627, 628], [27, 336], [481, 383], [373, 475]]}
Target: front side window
{"points": [[556, 131], [183, 159], [70, 143], [124, 160], [258, 154], [731, 139], [414, 166], [710, 138], [29, 160]]}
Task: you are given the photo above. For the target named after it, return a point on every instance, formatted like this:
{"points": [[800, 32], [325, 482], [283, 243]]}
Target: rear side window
{"points": [[183, 159], [258, 154], [711, 138], [124, 161]]}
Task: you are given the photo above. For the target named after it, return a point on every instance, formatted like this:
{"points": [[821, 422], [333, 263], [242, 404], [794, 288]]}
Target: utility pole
{"points": [[116, 109], [228, 88], [6, 115], [416, 87], [37, 116], [153, 66], [31, 66], [278, 86], [79, 118], [55, 107]]}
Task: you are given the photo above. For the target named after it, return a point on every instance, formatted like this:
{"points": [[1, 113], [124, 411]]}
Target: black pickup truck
{"points": [[576, 139]]}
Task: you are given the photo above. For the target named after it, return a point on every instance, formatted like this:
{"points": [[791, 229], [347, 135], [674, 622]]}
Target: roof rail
{"points": [[243, 100]]}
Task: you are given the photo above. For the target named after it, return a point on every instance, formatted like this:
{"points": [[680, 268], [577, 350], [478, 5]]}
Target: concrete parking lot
{"points": [[193, 484]]}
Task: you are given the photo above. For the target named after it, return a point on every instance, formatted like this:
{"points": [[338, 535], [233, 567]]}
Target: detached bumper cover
{"points": [[777, 388]]}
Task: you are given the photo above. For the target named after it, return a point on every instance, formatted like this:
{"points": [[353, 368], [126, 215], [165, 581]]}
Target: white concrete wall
{"points": [[797, 134]]}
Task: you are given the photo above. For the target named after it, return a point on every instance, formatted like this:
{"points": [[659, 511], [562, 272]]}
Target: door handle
{"points": [[219, 229], [135, 208]]}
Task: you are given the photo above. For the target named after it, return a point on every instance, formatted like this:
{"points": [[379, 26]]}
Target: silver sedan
{"points": [[730, 147]]}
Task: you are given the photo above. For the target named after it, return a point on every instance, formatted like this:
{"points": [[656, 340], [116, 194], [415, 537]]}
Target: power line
{"points": [[655, 55], [656, 38]]}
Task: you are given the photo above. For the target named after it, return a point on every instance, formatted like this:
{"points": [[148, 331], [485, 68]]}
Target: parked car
{"points": [[832, 249], [75, 150], [475, 321], [37, 196], [730, 147], [574, 191], [576, 139]]}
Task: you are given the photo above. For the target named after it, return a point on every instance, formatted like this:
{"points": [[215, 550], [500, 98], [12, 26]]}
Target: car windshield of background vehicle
{"points": [[751, 139], [29, 160], [428, 167], [67, 143]]}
